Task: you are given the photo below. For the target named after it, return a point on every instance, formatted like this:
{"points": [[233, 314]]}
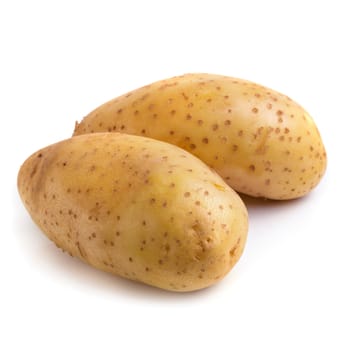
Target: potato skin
{"points": [[261, 142], [136, 207]]}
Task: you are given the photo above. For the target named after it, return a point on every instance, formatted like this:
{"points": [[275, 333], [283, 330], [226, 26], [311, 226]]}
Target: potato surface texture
{"points": [[136, 207], [261, 142]]}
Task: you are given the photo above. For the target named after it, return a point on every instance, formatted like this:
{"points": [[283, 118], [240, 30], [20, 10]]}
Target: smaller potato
{"points": [[136, 207], [259, 141]]}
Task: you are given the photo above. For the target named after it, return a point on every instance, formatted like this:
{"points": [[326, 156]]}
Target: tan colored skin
{"points": [[261, 142], [136, 207]]}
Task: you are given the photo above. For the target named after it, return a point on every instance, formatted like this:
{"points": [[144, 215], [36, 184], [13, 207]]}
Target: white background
{"points": [[61, 59]]}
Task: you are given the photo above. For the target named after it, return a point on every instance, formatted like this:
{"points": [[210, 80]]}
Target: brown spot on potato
{"points": [[233, 251]]}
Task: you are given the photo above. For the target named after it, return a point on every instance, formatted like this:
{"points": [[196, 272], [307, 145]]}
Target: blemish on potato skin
{"points": [[223, 139], [233, 251]]}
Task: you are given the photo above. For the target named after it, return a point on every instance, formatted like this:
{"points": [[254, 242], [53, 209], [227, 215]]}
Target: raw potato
{"points": [[136, 207], [261, 142]]}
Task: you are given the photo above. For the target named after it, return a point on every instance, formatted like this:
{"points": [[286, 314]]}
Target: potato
{"points": [[261, 142], [136, 207]]}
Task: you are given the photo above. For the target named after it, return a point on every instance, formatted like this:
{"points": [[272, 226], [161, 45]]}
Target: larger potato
{"points": [[261, 142], [136, 207]]}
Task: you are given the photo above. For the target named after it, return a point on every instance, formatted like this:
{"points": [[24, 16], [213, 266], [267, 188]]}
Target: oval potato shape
{"points": [[136, 207], [261, 142]]}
